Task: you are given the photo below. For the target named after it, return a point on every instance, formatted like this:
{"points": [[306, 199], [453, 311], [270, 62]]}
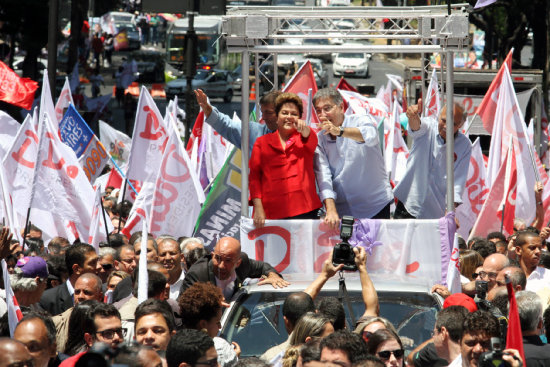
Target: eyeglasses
{"points": [[385, 354], [326, 108], [484, 274], [107, 267], [110, 333], [211, 362], [28, 363], [475, 275]]}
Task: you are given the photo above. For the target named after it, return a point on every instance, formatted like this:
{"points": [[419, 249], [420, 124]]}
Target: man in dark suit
{"points": [[228, 267], [80, 258]]}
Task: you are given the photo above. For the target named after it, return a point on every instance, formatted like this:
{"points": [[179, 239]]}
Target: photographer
{"points": [[370, 297], [478, 329]]}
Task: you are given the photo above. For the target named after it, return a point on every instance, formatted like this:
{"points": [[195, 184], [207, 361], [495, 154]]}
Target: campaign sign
{"points": [[74, 131]]}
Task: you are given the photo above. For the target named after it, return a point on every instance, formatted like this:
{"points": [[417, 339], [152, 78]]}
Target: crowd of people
{"points": [[77, 305]]}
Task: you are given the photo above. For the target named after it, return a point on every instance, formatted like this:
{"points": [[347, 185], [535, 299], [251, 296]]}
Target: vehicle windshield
{"points": [[357, 55], [202, 74], [122, 17], [259, 318]]}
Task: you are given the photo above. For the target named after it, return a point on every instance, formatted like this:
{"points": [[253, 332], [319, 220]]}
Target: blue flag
{"points": [[74, 131]]}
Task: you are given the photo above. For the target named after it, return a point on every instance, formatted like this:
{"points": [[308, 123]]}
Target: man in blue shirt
{"points": [[230, 129], [349, 167], [422, 190]]}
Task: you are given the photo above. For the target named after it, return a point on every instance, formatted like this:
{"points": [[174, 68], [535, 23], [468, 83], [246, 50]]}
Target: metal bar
{"points": [[538, 126], [52, 45], [450, 141], [245, 133], [292, 49], [257, 81]]}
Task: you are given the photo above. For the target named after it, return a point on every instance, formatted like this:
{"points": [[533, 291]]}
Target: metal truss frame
{"points": [[260, 30]]}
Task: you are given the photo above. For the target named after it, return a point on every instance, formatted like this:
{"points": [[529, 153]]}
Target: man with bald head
{"points": [[87, 287], [14, 353], [423, 188], [492, 265], [227, 267]]}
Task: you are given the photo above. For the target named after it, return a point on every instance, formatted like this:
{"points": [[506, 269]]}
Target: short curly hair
{"points": [[288, 98], [481, 322], [201, 301]]}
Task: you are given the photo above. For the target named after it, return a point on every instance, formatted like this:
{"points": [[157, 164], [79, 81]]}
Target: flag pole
{"points": [[27, 225], [105, 222], [502, 220], [123, 195]]}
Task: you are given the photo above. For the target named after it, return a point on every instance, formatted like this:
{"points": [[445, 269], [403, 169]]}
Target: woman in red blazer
{"points": [[282, 182]]}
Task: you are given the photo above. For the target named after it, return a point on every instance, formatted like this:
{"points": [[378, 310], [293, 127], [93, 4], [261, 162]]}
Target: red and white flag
{"points": [[178, 194], [300, 84], [65, 99], [507, 206], [60, 185], [488, 219], [148, 141], [14, 312], [475, 192], [509, 123], [217, 149], [432, 103], [98, 226], [359, 104], [196, 133], [16, 90], [344, 85], [140, 209], [488, 106], [143, 275]]}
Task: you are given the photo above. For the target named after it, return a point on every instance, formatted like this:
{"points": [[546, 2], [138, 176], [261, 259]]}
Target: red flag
{"points": [[344, 85], [514, 338], [301, 82], [114, 179], [488, 106], [196, 133], [16, 90]]}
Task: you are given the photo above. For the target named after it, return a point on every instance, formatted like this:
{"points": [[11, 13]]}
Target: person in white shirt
{"points": [[423, 188], [528, 247]]}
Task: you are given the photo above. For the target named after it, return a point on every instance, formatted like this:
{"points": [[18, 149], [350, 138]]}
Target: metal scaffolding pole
{"points": [[245, 132], [450, 141]]}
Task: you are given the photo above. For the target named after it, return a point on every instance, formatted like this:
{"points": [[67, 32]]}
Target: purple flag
{"points": [[482, 3]]}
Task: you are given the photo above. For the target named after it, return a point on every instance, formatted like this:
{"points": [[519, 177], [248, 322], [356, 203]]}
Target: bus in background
{"points": [[210, 44]]}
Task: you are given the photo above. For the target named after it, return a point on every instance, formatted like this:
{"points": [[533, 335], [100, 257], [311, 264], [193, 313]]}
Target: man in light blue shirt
{"points": [[422, 191], [349, 167], [231, 130]]}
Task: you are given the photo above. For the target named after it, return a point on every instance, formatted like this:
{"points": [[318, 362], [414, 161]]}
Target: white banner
{"points": [[416, 248]]}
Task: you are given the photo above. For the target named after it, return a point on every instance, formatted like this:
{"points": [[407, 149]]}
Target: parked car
{"points": [[215, 83], [351, 64], [254, 319], [150, 64]]}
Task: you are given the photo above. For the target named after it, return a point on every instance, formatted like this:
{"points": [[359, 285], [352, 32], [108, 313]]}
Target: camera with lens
{"points": [[343, 251], [493, 358], [544, 259], [482, 287]]}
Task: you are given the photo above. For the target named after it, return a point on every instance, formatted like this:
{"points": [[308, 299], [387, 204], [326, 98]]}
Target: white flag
{"points": [[475, 192], [148, 140], [453, 270], [509, 122], [98, 225], [432, 103], [14, 312], [8, 130], [140, 209], [116, 142], [60, 185], [46, 103], [143, 276], [178, 194], [217, 150], [65, 99]]}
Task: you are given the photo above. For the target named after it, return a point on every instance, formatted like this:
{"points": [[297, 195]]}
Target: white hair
{"points": [[189, 240], [529, 309], [104, 251], [21, 284]]}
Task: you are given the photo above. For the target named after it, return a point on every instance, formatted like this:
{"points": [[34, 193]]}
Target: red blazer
{"points": [[284, 179]]}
